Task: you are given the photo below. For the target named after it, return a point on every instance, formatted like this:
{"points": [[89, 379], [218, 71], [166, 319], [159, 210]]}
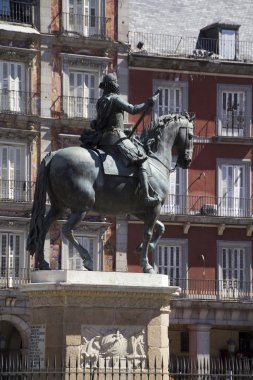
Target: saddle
{"points": [[113, 165]]}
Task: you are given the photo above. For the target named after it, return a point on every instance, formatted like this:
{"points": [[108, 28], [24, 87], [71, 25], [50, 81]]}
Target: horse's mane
{"points": [[152, 133]]}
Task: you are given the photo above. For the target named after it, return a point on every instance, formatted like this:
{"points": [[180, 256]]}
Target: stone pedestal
{"points": [[94, 316]]}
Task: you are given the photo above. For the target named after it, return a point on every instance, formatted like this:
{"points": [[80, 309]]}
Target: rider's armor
{"points": [[110, 122]]}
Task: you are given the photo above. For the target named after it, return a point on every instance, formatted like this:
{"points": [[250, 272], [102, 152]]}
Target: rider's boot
{"points": [[143, 177]]}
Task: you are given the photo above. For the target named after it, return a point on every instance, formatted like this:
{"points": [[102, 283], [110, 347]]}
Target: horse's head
{"points": [[184, 140], [171, 130]]}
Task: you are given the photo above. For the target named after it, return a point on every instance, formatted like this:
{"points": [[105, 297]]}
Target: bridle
{"points": [[186, 143]]}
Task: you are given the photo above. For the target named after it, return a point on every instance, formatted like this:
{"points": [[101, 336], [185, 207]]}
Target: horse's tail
{"points": [[35, 239]]}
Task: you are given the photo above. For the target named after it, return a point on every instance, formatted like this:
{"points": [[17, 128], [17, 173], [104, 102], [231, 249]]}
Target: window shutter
{"points": [[170, 100], [74, 259]]}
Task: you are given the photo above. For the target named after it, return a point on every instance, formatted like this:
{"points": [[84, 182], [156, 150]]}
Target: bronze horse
{"points": [[74, 180]]}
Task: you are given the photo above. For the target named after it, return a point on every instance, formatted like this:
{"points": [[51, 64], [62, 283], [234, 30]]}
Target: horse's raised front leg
{"points": [[158, 231], [51, 217], [67, 230]]}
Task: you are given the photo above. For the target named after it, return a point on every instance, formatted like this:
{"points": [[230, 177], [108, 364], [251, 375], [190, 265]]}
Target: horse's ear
{"points": [[192, 117]]}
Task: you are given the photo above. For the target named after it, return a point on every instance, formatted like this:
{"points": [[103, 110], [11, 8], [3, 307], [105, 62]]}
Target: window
{"points": [[234, 110], [172, 98], [13, 181], [233, 188], [234, 268], [184, 341], [74, 259], [227, 47], [171, 259], [16, 11], [5, 8], [85, 17], [93, 242], [12, 80], [176, 199], [82, 102], [10, 254]]}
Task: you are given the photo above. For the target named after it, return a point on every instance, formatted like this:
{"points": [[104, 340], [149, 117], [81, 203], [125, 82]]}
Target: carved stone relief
{"points": [[113, 345]]}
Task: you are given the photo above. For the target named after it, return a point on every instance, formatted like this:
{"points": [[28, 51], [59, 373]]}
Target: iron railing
{"points": [[190, 47], [234, 124], [223, 290], [16, 191], [87, 26], [76, 107], [211, 368], [208, 206], [16, 11], [14, 277], [195, 289], [19, 102], [179, 368]]}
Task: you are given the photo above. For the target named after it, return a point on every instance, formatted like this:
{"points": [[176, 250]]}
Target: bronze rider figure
{"points": [[110, 127]]}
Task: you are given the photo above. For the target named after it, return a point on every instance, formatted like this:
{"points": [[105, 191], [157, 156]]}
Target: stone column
{"points": [[99, 315], [199, 342]]}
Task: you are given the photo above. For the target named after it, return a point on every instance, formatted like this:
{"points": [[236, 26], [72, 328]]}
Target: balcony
{"points": [[87, 26], [75, 107], [233, 124], [190, 47], [16, 191], [18, 102], [16, 11], [208, 206], [219, 290], [14, 277]]}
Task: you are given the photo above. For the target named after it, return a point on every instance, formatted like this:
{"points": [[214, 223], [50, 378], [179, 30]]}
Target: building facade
{"points": [[203, 64], [53, 55]]}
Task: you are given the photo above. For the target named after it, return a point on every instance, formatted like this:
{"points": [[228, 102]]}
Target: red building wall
{"points": [[202, 175]]}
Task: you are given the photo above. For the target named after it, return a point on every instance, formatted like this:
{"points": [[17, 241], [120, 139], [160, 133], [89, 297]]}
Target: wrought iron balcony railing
{"points": [[76, 107], [87, 26], [20, 102], [190, 47], [208, 206], [14, 277], [229, 289], [16, 11], [16, 191], [236, 124]]}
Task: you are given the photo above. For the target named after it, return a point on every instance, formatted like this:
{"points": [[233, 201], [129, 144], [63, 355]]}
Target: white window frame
{"points": [[175, 202], [181, 269], [12, 91], [97, 253], [234, 206], [13, 180], [232, 287], [84, 16], [241, 120], [82, 101], [76, 63], [173, 86], [9, 269]]}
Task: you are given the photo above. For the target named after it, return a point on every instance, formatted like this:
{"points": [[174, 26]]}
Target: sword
{"points": [[156, 94]]}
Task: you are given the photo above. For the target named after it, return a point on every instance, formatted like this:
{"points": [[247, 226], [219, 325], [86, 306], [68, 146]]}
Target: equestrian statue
{"points": [[111, 173]]}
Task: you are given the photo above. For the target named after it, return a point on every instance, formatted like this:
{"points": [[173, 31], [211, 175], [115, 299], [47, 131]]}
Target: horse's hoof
{"points": [[149, 269], [88, 264], [44, 265]]}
